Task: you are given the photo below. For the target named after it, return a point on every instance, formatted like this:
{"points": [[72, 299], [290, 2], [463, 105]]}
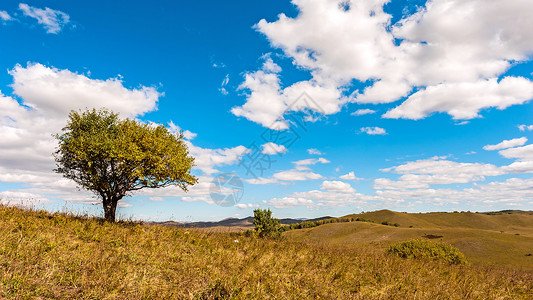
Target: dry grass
{"points": [[58, 256], [484, 239]]}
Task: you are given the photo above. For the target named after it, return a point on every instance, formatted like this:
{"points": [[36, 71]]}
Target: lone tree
{"points": [[114, 157], [265, 225]]}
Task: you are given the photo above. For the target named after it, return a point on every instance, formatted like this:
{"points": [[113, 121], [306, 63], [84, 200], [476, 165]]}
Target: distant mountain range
{"points": [[249, 221], [234, 222]]}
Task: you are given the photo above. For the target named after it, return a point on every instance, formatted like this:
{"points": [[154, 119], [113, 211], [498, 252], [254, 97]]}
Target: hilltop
{"points": [[47, 256]]}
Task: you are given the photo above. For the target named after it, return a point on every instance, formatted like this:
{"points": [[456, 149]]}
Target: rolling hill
{"points": [[501, 238]]}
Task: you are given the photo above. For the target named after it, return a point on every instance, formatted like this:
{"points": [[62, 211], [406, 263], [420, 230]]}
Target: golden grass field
{"points": [[500, 240], [48, 256]]}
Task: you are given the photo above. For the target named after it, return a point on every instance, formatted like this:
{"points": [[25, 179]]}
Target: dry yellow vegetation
{"points": [[45, 256]]}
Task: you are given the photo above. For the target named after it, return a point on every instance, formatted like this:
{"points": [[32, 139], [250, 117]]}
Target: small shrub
{"points": [[426, 249], [265, 224]]}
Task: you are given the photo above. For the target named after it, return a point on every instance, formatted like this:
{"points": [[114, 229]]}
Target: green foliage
{"points": [[310, 224], [113, 157], [265, 225], [419, 248]]}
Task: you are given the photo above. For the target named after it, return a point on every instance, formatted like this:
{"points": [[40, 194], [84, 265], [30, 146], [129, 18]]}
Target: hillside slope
{"points": [[501, 239], [44, 256]]}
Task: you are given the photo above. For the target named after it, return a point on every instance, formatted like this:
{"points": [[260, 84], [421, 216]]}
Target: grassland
{"points": [[45, 256], [499, 240]]}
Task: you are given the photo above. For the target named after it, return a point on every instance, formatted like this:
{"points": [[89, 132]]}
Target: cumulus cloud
{"points": [[296, 175], [506, 144], [525, 127], [262, 180], [55, 92], [513, 191], [361, 112], [267, 102], [52, 20], [246, 205], [207, 159], [334, 198], [4, 16], [22, 198], [451, 53], [373, 130], [313, 151], [272, 148], [524, 153], [48, 94], [186, 133], [465, 99], [287, 202], [301, 172], [435, 171], [337, 186], [310, 161], [349, 176]]}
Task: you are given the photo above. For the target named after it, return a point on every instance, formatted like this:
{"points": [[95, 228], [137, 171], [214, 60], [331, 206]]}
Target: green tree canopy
{"points": [[113, 157], [265, 225]]}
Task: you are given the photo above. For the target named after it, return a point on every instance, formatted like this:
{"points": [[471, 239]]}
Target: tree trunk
{"points": [[110, 206]]}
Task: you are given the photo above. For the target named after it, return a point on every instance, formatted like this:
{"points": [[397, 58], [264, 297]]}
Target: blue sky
{"points": [[405, 105]]}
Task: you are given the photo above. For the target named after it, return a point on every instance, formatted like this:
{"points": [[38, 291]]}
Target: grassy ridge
{"points": [[59, 256], [503, 240]]}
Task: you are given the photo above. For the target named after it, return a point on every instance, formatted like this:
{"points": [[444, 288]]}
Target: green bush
{"points": [[425, 249], [265, 224]]}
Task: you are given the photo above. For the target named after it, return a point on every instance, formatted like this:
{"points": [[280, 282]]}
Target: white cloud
{"points": [[525, 127], [264, 104], [207, 159], [361, 112], [5, 16], [296, 175], [349, 176], [450, 52], [524, 153], [313, 151], [506, 144], [262, 180], [310, 161], [22, 198], [373, 130], [47, 95], [246, 205], [301, 172], [283, 177], [270, 66], [155, 198], [186, 133], [334, 198], [267, 101], [225, 82], [272, 148], [435, 171], [56, 92], [337, 186], [512, 191], [52, 20], [287, 202], [464, 100]]}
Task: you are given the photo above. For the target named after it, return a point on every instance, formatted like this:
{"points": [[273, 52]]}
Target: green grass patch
{"points": [[428, 250]]}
